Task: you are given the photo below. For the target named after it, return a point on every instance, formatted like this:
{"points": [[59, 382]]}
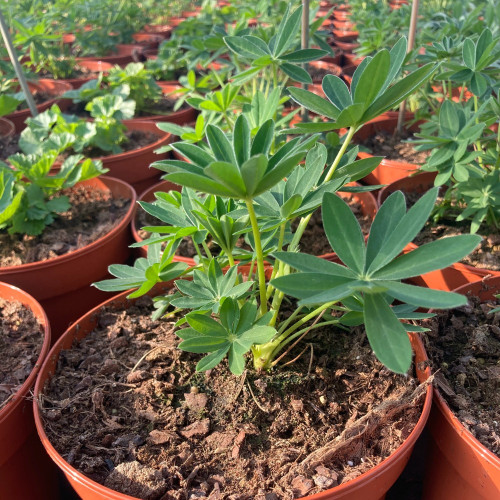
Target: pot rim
{"points": [[106, 182], [11, 292], [441, 403], [341, 490]]}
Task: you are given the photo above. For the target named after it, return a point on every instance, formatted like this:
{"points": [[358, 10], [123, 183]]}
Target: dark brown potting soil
{"points": [[164, 106], [9, 146], [38, 97], [314, 240], [464, 345], [127, 409], [485, 256], [393, 148], [93, 214], [21, 339]]}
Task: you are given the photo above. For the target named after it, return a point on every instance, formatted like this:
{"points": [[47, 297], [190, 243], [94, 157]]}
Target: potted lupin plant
{"points": [[250, 181]]}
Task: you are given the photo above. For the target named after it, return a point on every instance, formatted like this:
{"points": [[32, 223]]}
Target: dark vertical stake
{"points": [[305, 45], [17, 67]]}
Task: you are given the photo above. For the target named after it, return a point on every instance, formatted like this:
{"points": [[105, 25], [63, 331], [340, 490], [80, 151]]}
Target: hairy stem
{"points": [[260, 257]]}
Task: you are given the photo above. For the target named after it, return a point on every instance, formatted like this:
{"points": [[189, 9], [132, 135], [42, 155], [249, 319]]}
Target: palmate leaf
{"points": [[237, 331], [371, 275], [372, 92]]}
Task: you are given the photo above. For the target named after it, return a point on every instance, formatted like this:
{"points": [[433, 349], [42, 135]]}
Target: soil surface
{"points": [[485, 256], [93, 214], [164, 106], [126, 408], [464, 345], [21, 339], [9, 146], [314, 240], [386, 144]]}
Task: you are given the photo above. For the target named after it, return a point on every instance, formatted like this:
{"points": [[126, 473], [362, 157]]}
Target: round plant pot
{"points": [[148, 40], [451, 277], [341, 15], [457, 465], [7, 129], [352, 60], [125, 53], [345, 43], [62, 284], [180, 117], [133, 166], [19, 445], [342, 25], [93, 66], [389, 170], [164, 30], [53, 88], [329, 66], [345, 34], [371, 485]]}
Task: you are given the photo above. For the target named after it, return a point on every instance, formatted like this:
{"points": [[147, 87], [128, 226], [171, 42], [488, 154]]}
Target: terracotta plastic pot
{"points": [[164, 30], [148, 40], [54, 88], [352, 59], [389, 170], [180, 117], [19, 445], [133, 166], [93, 66], [125, 53], [331, 67], [62, 284], [345, 34], [342, 25], [458, 466], [451, 277], [7, 128], [341, 15], [345, 43], [371, 485]]}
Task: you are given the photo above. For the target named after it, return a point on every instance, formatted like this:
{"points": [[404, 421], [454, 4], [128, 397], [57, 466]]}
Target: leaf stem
{"points": [[260, 257], [281, 238]]}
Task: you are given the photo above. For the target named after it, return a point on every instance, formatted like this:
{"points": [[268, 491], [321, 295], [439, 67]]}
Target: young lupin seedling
{"points": [[270, 188]]}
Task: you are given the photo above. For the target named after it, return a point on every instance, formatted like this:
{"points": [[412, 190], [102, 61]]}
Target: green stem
{"points": [[478, 142], [285, 323], [275, 76], [207, 250], [198, 251], [275, 270], [260, 257]]}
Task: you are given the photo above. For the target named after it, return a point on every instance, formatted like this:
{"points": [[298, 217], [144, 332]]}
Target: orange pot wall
{"points": [[458, 466]]}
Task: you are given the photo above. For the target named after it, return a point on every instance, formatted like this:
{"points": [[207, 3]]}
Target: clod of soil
{"points": [[464, 345], [393, 147], [93, 214], [127, 409], [21, 339]]}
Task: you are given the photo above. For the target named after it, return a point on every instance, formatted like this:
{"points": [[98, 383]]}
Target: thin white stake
{"points": [[17, 67], [411, 43]]}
